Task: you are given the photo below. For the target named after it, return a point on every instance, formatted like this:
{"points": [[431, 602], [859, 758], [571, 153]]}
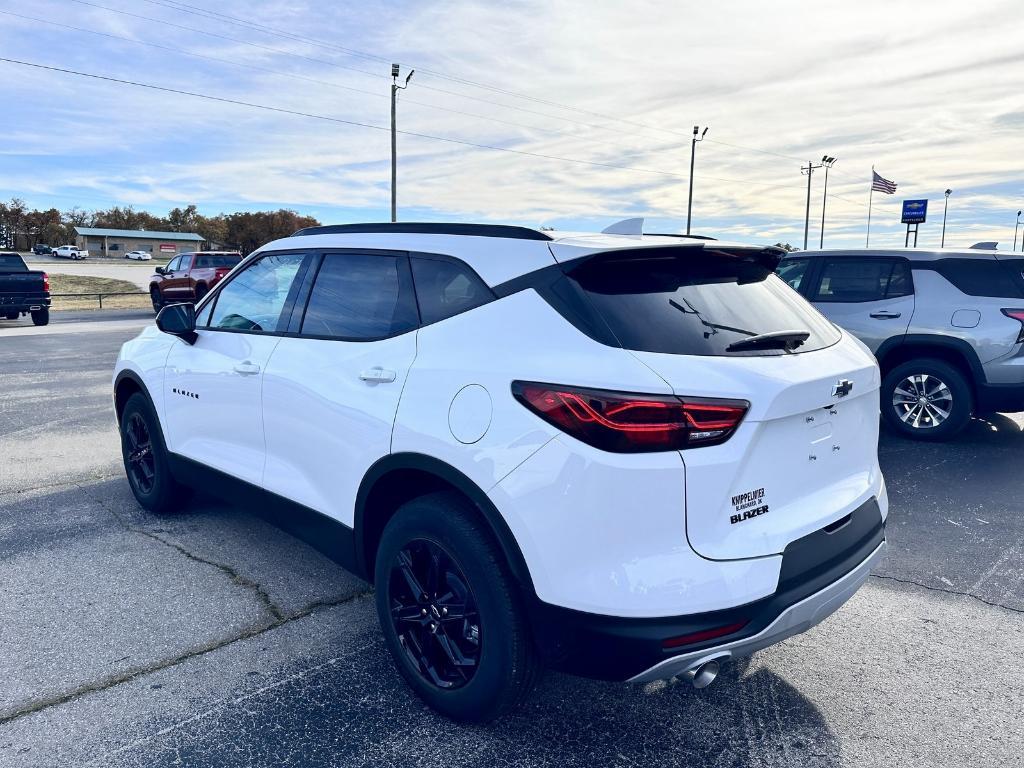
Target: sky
{"points": [[588, 109]]}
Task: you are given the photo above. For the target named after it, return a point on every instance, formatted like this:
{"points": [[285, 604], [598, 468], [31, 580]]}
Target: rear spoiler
{"points": [[766, 256]]}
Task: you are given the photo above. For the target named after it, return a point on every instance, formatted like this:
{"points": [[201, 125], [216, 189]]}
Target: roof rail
{"points": [[429, 228], [666, 234]]}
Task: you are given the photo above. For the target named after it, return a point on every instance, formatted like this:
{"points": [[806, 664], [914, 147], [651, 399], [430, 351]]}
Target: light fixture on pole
{"points": [[827, 162], [693, 153], [945, 208], [1015, 232], [809, 170], [395, 88]]}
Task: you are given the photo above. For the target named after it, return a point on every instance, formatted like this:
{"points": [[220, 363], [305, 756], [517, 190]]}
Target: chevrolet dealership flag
{"points": [[878, 184]]}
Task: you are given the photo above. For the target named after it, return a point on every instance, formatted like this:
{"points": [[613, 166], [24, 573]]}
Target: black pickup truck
{"points": [[23, 291]]}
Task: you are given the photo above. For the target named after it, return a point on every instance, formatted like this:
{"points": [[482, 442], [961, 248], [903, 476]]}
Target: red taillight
{"points": [[46, 282], [624, 422], [704, 635], [1017, 314]]}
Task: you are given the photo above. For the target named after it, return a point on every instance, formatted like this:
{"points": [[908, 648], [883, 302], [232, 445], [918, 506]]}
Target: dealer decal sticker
{"points": [[748, 505]]}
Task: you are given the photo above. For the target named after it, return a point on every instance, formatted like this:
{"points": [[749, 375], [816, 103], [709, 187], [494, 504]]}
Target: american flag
{"points": [[880, 184]]}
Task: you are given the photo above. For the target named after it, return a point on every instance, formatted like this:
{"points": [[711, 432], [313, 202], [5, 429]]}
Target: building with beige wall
{"points": [[117, 242]]}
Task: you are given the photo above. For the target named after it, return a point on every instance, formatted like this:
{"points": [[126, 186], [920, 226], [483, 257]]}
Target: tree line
{"points": [[21, 228]]}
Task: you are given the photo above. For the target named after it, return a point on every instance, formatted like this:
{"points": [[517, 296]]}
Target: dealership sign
{"points": [[914, 211], [168, 248]]}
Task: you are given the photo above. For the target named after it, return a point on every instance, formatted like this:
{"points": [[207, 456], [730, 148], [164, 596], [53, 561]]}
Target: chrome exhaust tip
{"points": [[702, 675]]}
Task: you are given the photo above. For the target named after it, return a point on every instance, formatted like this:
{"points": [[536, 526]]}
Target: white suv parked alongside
{"points": [[626, 457]]}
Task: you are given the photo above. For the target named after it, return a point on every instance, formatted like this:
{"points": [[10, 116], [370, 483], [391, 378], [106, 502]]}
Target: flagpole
{"points": [[871, 196]]}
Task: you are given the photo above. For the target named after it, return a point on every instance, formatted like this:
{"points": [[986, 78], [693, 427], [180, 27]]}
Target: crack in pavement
{"points": [[112, 681], [277, 618], [933, 588]]}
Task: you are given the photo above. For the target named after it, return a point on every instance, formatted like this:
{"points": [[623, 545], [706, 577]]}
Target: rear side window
{"points": [[445, 288], [980, 277], [696, 304], [360, 297], [858, 280]]}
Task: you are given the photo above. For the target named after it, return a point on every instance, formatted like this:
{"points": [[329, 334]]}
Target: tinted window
{"points": [[446, 288], [217, 260], [979, 277], [858, 280], [11, 262], [792, 272], [256, 298], [696, 304], [360, 296]]}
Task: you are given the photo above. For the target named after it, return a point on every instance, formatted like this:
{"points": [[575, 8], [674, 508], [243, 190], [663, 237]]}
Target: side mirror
{"points": [[179, 320], [160, 270]]}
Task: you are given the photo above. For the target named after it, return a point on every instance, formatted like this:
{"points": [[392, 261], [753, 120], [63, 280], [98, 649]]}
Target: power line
{"points": [[356, 123], [279, 73], [284, 52], [197, 10]]}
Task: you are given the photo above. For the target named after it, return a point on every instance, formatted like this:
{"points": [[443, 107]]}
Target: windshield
{"points": [[699, 304]]}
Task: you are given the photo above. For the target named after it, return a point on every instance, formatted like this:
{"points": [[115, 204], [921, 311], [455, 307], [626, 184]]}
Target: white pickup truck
{"points": [[70, 252]]}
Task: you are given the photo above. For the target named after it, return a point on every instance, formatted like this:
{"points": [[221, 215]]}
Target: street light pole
{"points": [[1015, 226], [809, 170], [945, 208], [395, 88], [693, 154], [828, 162]]}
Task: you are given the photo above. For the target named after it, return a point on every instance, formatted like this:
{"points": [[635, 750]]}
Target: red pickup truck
{"points": [[190, 276]]}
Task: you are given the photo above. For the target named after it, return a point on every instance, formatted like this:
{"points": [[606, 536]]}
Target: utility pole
{"points": [[693, 154], [809, 170], [828, 162], [1015, 227], [395, 88], [945, 208]]}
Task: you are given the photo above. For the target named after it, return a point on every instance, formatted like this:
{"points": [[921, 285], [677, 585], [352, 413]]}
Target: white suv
{"points": [[626, 457]]}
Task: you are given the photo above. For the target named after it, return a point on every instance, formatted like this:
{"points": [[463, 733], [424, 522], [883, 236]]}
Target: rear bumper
{"points": [[1007, 398], [792, 621], [23, 303], [819, 573]]}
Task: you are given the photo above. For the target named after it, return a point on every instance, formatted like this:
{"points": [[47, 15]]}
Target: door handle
{"points": [[885, 315], [247, 368], [378, 375]]}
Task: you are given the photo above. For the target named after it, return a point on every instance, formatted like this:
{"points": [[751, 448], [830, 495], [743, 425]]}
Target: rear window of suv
{"points": [[696, 303], [979, 277]]}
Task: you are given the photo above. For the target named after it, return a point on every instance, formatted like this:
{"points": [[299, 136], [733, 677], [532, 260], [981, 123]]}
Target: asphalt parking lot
{"points": [[210, 638]]}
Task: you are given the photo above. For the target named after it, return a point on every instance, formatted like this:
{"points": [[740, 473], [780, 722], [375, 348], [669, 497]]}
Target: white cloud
{"points": [[933, 96]]}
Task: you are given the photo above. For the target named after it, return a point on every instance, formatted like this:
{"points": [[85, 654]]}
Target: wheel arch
{"points": [[126, 384], [949, 349], [401, 477]]}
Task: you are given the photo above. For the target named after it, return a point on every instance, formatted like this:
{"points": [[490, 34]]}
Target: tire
{"points": [[40, 316], [12, 315], [490, 630], [145, 458], [923, 419], [154, 296]]}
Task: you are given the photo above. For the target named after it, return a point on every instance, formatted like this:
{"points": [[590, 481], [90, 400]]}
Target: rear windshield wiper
{"points": [[787, 340]]}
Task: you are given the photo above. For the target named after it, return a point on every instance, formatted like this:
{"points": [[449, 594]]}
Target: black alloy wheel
{"points": [[434, 613], [139, 460], [154, 295]]}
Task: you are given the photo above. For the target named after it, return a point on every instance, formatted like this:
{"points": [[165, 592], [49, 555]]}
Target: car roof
{"points": [[911, 254], [497, 253]]}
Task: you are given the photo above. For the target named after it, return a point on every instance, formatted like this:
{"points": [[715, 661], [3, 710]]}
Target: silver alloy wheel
{"points": [[922, 401]]}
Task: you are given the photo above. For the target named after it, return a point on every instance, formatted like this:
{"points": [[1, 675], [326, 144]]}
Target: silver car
{"points": [[946, 326]]}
